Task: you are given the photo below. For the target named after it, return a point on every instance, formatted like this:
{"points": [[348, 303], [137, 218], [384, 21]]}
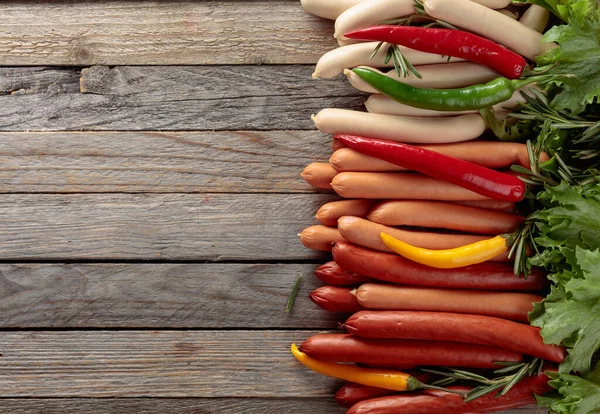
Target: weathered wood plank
{"points": [[171, 98], [156, 364], [184, 406], [195, 227], [161, 162], [173, 405], [163, 32], [205, 295]]}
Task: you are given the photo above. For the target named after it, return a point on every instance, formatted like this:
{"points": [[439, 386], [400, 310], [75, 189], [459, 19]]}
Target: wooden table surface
{"points": [[150, 154]]}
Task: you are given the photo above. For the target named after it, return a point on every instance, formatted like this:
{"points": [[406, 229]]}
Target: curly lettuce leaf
{"points": [[575, 395], [569, 314], [576, 61], [569, 231], [571, 217]]}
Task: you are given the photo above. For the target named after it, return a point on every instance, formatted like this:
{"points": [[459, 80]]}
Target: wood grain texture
{"points": [[156, 364], [161, 32], [173, 405], [159, 162], [241, 296], [195, 227], [184, 406], [179, 98]]}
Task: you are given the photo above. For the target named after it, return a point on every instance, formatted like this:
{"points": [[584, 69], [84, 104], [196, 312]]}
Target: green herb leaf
{"points": [[578, 54], [575, 395], [293, 294]]}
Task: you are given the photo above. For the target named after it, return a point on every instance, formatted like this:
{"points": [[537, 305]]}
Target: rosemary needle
{"points": [[293, 294]]}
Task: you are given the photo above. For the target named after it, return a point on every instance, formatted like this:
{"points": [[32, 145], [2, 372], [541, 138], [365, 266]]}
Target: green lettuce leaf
{"points": [[577, 56], [569, 232], [569, 314], [571, 217], [575, 395]]}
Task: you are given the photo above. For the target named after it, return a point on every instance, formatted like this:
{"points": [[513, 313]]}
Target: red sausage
{"points": [[352, 393], [395, 269], [442, 326], [349, 348], [335, 299], [332, 274], [440, 402]]}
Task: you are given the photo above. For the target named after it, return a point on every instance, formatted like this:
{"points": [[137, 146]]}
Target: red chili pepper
{"points": [[476, 178], [448, 42]]}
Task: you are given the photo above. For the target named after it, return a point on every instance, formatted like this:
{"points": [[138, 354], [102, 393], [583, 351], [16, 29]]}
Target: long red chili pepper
{"points": [[448, 42], [476, 178]]}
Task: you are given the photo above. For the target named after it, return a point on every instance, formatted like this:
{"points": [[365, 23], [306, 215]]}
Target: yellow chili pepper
{"points": [[451, 258], [381, 378]]}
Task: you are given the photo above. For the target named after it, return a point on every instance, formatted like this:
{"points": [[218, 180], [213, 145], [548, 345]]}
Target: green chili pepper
{"points": [[461, 99]]}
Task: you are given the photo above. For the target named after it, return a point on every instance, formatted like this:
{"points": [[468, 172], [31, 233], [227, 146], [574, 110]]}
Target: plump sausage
{"points": [[507, 305], [490, 24], [455, 327], [335, 299], [403, 186], [392, 268], [436, 402], [332, 274], [350, 348], [320, 237], [328, 9], [319, 174], [333, 63], [485, 153], [415, 130], [329, 213], [442, 75], [436, 214], [367, 234]]}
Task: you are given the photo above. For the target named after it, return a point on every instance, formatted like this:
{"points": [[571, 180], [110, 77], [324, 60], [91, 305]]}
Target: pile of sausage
{"points": [[407, 315]]}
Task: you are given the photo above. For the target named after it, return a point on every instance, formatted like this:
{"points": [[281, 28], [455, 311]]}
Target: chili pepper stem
{"points": [[519, 83]]}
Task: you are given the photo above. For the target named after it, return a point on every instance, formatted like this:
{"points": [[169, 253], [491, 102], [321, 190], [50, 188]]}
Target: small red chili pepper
{"points": [[448, 42], [476, 178]]}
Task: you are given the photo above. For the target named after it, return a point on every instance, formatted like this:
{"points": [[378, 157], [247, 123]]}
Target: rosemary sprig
{"points": [[402, 66], [293, 294], [585, 144], [508, 377]]}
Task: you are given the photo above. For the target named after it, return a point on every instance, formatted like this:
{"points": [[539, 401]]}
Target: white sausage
{"points": [[494, 4], [369, 13], [535, 17], [328, 9], [508, 13], [372, 12], [490, 24], [335, 61], [400, 128], [451, 75], [381, 104]]}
